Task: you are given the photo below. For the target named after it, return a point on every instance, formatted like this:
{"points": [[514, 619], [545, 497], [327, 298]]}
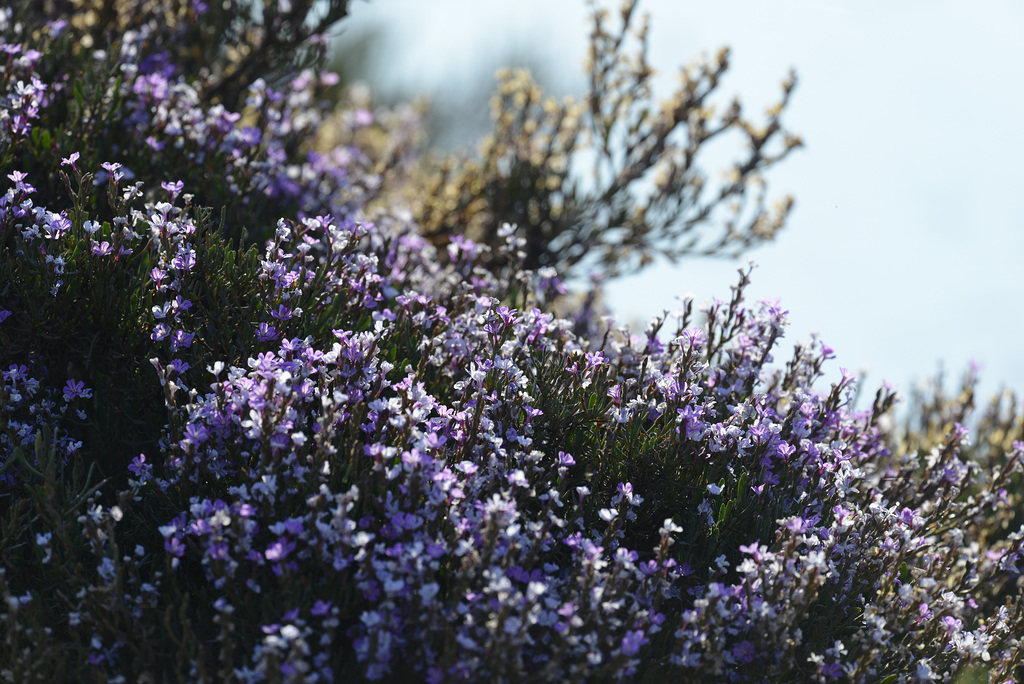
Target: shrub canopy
{"points": [[262, 421]]}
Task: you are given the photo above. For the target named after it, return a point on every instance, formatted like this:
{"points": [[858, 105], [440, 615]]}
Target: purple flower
{"points": [[467, 467], [434, 441], [115, 171], [70, 160], [279, 549], [796, 524], [744, 652], [142, 470], [184, 260], [362, 117], [160, 311], [283, 313], [19, 182], [195, 435], [138, 464], [174, 547], [755, 551], [832, 671], [74, 389], [266, 333], [160, 331], [180, 304], [217, 551], [182, 340], [173, 189], [632, 642]]}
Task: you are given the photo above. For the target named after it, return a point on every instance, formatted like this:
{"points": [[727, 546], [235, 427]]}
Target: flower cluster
{"points": [[24, 93], [303, 445], [29, 412]]}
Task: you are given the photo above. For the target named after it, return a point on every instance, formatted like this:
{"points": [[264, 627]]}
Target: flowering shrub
{"points": [[247, 434]]}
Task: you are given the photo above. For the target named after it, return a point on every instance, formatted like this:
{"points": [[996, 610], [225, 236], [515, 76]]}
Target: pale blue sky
{"points": [[905, 245]]}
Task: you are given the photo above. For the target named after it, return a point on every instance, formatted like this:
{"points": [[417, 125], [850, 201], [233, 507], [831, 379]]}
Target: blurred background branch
{"points": [[646, 194]]}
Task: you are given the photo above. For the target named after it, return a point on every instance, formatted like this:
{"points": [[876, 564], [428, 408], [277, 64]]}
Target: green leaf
{"points": [[724, 511], [41, 139], [116, 102]]}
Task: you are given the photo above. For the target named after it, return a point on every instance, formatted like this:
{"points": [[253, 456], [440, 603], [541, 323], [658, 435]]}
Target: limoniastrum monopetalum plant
{"points": [[258, 423]]}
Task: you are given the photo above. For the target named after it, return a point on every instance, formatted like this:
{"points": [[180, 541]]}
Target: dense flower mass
{"points": [[251, 430]]}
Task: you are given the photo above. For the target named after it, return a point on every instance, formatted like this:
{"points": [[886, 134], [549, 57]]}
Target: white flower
{"points": [[670, 527], [96, 513], [106, 570]]}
